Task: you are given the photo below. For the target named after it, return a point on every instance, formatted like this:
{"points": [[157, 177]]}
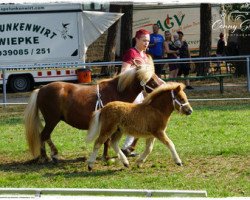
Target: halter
{"points": [[144, 85], [177, 101], [99, 103]]}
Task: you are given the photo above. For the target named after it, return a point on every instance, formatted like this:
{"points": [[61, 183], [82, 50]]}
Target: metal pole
{"points": [[248, 74], [4, 88]]}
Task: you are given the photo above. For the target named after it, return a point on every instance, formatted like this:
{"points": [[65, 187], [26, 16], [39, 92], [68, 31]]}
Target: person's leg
{"points": [[186, 69], [172, 72], [218, 63], [129, 139]]}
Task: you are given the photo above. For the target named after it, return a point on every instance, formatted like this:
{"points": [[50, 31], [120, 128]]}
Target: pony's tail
{"points": [[33, 124], [95, 127]]}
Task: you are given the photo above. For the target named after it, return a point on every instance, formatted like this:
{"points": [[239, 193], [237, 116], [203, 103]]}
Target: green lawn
{"points": [[213, 143]]}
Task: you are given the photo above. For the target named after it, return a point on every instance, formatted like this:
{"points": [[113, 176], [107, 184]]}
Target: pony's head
{"points": [[143, 72], [180, 101], [174, 91]]}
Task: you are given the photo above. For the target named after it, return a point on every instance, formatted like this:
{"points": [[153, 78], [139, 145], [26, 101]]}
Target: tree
{"points": [[126, 28], [238, 40], [205, 37], [110, 47]]}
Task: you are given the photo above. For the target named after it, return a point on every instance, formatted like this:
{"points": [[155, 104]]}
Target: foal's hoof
{"points": [[90, 168], [126, 165], [179, 164]]}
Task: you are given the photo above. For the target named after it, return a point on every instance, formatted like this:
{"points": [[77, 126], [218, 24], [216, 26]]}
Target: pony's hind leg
{"points": [[54, 151], [115, 145], [166, 140], [148, 149], [45, 137]]}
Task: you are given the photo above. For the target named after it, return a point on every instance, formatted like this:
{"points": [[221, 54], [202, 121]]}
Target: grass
{"points": [[213, 143]]}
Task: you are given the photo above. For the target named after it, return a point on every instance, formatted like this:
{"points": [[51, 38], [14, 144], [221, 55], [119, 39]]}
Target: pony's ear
{"points": [[179, 88]]}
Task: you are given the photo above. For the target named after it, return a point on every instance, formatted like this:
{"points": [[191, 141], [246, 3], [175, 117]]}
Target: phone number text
{"points": [[20, 52]]}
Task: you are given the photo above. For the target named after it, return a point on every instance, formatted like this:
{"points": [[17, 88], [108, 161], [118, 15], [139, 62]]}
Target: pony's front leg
{"points": [[148, 149], [166, 140]]}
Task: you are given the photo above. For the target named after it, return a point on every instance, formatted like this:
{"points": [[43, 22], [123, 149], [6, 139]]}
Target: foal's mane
{"points": [[162, 88], [144, 72]]}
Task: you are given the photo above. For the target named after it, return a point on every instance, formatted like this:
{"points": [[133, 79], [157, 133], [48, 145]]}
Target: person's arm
{"points": [[167, 50], [189, 54]]}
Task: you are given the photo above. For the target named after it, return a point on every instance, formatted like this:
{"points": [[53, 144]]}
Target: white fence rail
{"points": [[245, 58], [37, 192]]}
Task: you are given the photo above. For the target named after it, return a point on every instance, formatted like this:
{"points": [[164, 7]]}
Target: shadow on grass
{"points": [[69, 168]]}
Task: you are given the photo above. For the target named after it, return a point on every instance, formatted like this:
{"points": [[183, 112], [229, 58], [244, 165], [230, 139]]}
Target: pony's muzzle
{"points": [[189, 112]]}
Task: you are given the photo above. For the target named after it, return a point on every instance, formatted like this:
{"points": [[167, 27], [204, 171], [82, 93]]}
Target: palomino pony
{"points": [[148, 120], [74, 104]]}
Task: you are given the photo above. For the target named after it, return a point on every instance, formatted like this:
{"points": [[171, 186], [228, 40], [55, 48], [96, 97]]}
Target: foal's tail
{"points": [[95, 127], [33, 125]]}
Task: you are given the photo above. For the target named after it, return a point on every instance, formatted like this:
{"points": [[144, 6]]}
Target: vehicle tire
{"points": [[20, 83]]}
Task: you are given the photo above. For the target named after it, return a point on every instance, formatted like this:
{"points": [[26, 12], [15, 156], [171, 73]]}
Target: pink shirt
{"points": [[132, 54]]}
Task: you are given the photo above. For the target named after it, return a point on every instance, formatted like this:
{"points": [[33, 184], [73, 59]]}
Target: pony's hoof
{"points": [[90, 168], [105, 158], [42, 160], [33, 161], [179, 164], [55, 160]]}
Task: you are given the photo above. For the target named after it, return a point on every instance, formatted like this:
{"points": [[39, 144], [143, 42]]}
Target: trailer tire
{"points": [[20, 83]]}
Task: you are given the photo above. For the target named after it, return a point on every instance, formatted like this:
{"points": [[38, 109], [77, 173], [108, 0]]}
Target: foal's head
{"points": [[180, 101], [170, 92]]}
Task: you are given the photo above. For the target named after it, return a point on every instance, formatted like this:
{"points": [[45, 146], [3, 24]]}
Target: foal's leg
{"points": [[148, 149], [98, 143], [115, 144], [93, 156], [105, 155], [166, 140]]}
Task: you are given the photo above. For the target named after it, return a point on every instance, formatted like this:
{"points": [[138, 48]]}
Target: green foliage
{"points": [[213, 143], [238, 10]]}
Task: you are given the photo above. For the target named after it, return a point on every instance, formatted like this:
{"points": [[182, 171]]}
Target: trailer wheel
{"points": [[20, 83]]}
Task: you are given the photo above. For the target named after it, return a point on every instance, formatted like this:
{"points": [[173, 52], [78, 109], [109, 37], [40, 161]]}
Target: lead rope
{"points": [[99, 103]]}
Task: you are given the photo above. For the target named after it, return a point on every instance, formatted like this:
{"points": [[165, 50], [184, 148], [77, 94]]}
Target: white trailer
{"points": [[46, 33]]}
